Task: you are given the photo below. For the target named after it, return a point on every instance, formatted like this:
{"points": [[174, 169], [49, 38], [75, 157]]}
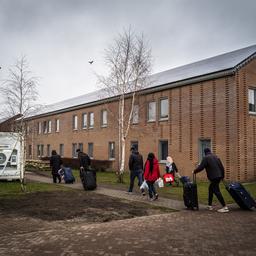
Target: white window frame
{"points": [[111, 149], [90, 152], [74, 122], [84, 121], [164, 116], [91, 120], [161, 158], [49, 126], [39, 127], [104, 118], [151, 107], [135, 114], [252, 100], [57, 125]]}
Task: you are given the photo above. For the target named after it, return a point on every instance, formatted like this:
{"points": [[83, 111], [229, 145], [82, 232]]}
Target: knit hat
{"points": [[207, 151]]}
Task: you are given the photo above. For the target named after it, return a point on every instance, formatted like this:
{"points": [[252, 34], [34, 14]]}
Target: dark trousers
{"points": [[55, 177], [133, 175], [151, 189], [215, 189]]}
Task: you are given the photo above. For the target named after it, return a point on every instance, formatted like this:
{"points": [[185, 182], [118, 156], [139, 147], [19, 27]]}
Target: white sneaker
{"points": [[209, 207], [224, 209]]}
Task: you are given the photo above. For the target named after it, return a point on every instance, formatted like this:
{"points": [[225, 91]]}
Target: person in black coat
{"points": [[136, 169], [215, 173], [56, 164], [84, 160]]}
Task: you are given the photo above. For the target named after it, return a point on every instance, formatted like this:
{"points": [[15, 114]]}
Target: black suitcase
{"points": [[190, 194], [88, 178], [240, 195]]}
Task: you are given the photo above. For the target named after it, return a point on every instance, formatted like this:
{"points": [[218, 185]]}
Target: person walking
{"points": [[84, 160], [171, 168], [136, 169], [56, 165], [215, 173], [151, 174]]}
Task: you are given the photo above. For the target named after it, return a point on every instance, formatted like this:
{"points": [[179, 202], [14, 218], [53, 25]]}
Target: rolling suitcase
{"points": [[88, 178], [240, 195], [190, 193]]}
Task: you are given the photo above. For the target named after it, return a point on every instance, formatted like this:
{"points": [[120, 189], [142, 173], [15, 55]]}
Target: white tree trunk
{"points": [[122, 156]]}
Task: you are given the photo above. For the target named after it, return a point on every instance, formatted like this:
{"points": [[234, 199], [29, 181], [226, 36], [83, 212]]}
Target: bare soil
{"points": [[74, 205]]}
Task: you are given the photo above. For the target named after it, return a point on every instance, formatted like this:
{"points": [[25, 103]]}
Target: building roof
{"points": [[223, 64]]}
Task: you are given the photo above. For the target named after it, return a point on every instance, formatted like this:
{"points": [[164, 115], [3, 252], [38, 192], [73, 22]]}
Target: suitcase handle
{"points": [[194, 177]]}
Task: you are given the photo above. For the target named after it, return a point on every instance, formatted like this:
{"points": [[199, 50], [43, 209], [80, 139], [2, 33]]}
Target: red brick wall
{"points": [[214, 109]]}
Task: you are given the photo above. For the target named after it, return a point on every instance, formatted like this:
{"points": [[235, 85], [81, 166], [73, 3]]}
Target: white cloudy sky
{"points": [[60, 36]]}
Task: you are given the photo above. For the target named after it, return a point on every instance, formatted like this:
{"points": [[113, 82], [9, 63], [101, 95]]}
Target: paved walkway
{"points": [[163, 202]]}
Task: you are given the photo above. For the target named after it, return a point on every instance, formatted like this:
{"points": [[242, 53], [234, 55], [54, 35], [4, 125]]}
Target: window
{"points": [[42, 150], [91, 120], [74, 148], [135, 144], [61, 149], [252, 100], [135, 114], [203, 143], [111, 150], [30, 150], [28, 130], [38, 150], [57, 125], [164, 109], [49, 126], [74, 122], [104, 118], [48, 150], [45, 126], [151, 111], [39, 128], [163, 150], [84, 121], [90, 149], [81, 147]]}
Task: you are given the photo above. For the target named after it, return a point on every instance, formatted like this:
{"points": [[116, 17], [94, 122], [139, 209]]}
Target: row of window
{"points": [[87, 119]]}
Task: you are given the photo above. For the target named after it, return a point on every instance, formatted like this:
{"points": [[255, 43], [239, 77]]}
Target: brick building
{"points": [[209, 103]]}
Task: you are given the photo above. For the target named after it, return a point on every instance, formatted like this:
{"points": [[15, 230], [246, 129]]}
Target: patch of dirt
{"points": [[75, 205]]}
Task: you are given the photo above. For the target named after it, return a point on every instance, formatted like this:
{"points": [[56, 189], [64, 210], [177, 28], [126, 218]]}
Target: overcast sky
{"points": [[59, 37]]}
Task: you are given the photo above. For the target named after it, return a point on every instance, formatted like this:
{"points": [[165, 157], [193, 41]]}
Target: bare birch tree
{"points": [[129, 63], [20, 93]]}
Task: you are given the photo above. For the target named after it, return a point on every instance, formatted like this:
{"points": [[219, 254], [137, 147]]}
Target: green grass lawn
{"points": [[109, 179], [12, 189]]}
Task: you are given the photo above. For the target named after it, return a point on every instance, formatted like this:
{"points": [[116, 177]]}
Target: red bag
{"points": [[168, 178]]}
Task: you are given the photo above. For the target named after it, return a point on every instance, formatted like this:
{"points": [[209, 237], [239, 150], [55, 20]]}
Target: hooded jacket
{"points": [[135, 161], [155, 174], [213, 166]]}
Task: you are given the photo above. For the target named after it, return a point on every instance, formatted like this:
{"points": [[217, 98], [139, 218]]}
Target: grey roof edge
{"points": [[161, 87]]}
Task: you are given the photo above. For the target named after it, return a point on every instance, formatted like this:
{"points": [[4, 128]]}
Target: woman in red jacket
{"points": [[151, 174]]}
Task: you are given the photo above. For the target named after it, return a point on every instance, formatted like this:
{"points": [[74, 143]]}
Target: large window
{"points": [[111, 150], [91, 120], [90, 149], [164, 109], [39, 127], [203, 143], [163, 149], [49, 126], [74, 122], [84, 121], [104, 118], [48, 150], [252, 100], [57, 125], [45, 126], [74, 148], [81, 147], [152, 111], [61, 149], [135, 114]]}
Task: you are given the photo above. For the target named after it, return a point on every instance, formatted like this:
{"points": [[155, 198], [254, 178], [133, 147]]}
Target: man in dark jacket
{"points": [[56, 164], [215, 173], [136, 168], [84, 160]]}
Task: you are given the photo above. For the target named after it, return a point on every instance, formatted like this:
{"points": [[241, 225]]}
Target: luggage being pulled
{"points": [[190, 192], [88, 178], [67, 175], [240, 195]]}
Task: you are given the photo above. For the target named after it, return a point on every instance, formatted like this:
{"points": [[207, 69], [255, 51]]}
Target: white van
{"points": [[9, 156]]}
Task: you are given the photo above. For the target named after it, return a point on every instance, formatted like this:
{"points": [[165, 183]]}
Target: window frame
{"points": [[90, 149], [91, 120], [102, 118], [135, 114], [57, 125], [165, 117], [201, 142], [61, 149], [251, 89], [160, 150], [148, 111], [111, 151], [84, 121], [74, 122]]}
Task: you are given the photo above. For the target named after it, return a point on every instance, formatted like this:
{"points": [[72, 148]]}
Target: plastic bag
{"points": [[144, 185], [160, 182]]}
